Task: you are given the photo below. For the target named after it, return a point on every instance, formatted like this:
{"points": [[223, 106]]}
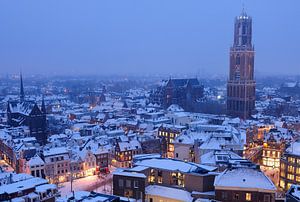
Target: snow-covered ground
{"points": [[102, 184]]}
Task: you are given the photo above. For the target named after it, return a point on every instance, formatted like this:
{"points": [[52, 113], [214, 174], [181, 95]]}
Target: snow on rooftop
{"points": [[294, 149], [22, 185], [55, 151], [168, 192], [294, 191], [45, 187], [244, 179], [36, 160], [129, 174], [174, 165]]}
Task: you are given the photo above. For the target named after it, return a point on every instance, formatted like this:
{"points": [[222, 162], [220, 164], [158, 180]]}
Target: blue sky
{"points": [[143, 36]]}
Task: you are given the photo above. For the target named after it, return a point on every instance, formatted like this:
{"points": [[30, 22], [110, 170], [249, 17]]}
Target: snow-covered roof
{"points": [[168, 192], [22, 185], [55, 151], [174, 165], [216, 157], [294, 149], [36, 160], [243, 178], [131, 145], [175, 108], [45, 187], [129, 174], [294, 191]]}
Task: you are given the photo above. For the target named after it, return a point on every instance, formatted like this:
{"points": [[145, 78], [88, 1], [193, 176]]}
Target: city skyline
{"points": [[138, 38]]}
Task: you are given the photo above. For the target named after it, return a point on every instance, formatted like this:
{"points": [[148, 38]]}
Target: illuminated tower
{"points": [[241, 83]]}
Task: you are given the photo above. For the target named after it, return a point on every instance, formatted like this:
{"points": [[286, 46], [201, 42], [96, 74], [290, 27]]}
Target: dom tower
{"points": [[241, 83]]}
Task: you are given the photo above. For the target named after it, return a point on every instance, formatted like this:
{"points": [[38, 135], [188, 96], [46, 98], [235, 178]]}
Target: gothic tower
{"points": [[22, 94], [241, 83]]}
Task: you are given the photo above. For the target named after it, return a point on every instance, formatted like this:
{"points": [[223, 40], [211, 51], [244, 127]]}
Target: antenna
{"points": [[243, 5]]}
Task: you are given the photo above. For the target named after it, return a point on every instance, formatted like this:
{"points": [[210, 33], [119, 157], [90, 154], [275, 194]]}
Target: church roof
{"points": [[184, 82]]}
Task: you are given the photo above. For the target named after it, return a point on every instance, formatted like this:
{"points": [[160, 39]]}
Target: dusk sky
{"points": [[143, 36]]}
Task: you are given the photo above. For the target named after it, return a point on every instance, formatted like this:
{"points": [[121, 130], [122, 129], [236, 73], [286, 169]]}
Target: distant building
{"points": [[290, 89], [23, 112], [241, 83], [183, 92]]}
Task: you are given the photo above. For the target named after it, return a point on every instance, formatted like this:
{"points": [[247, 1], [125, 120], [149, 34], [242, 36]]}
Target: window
{"points": [[176, 155], [238, 60], [290, 177], [291, 169], [224, 195], [159, 176], [121, 183], [128, 183], [291, 160], [248, 196], [282, 184], [136, 184], [236, 196], [267, 198], [151, 200]]}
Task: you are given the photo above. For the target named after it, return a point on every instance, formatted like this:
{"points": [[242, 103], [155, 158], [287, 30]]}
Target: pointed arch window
{"points": [[238, 59]]}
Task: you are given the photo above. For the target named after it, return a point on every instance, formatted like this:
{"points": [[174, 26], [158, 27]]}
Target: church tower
{"points": [[22, 94], [241, 83]]}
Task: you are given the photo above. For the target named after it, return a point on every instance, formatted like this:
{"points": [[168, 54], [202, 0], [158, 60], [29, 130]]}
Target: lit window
{"points": [[282, 184], [290, 169], [248, 196], [291, 160], [290, 177]]}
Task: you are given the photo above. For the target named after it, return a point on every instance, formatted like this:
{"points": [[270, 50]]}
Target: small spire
{"points": [[243, 5], [22, 94], [43, 105]]}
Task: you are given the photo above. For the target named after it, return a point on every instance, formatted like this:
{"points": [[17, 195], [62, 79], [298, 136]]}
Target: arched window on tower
{"points": [[237, 74], [238, 60]]}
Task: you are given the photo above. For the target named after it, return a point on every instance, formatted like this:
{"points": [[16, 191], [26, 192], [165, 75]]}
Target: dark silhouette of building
{"points": [[28, 113], [183, 92], [241, 83]]}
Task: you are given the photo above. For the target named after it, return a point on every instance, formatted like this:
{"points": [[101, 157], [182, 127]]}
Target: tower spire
{"points": [[22, 95], [43, 108]]}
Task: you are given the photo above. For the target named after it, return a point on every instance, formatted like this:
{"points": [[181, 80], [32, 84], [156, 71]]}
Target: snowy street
{"points": [[89, 183], [102, 183]]}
